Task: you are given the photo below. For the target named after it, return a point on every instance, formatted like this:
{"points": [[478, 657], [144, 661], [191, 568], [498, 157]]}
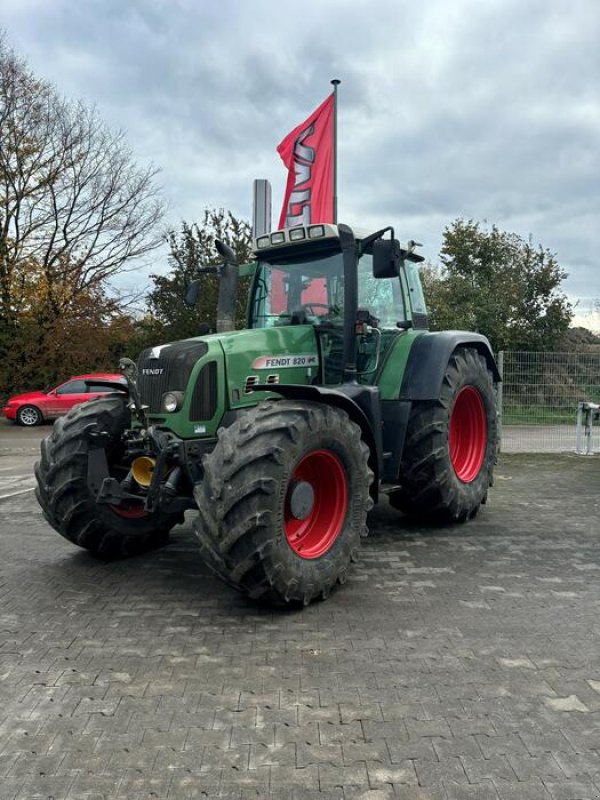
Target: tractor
{"points": [[279, 438]]}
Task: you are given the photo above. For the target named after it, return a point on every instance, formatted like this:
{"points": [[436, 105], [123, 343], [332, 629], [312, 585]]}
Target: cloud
{"points": [[481, 110]]}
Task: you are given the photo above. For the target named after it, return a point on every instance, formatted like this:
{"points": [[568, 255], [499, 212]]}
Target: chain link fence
{"points": [[539, 398]]}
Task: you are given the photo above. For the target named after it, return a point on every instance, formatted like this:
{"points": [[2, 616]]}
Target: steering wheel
{"points": [[314, 305]]}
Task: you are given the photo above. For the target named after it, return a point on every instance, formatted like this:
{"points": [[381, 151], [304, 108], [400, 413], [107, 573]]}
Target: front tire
{"points": [[29, 416], [450, 448], [63, 493], [284, 501]]}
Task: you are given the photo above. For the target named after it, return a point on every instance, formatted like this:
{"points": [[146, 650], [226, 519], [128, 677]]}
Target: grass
{"points": [[523, 415]]}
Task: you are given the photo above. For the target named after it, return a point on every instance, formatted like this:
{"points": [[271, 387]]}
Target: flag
{"points": [[308, 154]]}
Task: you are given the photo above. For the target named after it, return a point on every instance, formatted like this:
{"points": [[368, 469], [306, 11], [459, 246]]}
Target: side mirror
{"points": [[191, 296], [386, 258]]}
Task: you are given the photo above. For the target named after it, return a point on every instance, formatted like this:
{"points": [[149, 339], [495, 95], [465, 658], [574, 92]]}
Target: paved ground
{"points": [[19, 448], [455, 663]]}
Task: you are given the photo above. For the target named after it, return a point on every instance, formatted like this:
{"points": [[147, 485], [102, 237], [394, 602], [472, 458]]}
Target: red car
{"points": [[33, 408]]}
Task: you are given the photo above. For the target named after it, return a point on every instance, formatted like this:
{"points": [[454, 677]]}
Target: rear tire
{"points": [[63, 493], [284, 501], [450, 449]]}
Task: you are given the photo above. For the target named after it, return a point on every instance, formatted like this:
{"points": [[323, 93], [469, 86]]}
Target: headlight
{"points": [[172, 401]]}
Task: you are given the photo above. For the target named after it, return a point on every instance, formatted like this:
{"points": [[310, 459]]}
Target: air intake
{"points": [[204, 399], [166, 369]]}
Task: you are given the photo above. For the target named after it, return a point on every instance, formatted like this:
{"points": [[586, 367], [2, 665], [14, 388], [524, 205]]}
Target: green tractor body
{"points": [[279, 437]]}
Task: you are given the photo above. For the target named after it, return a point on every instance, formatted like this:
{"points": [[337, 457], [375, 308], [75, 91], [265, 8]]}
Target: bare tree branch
{"points": [[74, 206]]}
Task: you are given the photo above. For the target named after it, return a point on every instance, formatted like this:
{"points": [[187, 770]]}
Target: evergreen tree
{"points": [[494, 282]]}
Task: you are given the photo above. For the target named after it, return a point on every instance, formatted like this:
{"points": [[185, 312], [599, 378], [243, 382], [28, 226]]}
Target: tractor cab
{"points": [[362, 292]]}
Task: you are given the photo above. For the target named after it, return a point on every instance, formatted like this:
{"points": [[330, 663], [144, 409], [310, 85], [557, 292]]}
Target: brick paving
{"points": [[455, 664]]}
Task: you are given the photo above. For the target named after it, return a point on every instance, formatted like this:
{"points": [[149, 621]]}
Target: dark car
{"points": [[33, 408]]}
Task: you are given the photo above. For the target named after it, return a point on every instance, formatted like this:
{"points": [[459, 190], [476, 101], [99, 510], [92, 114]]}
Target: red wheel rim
{"points": [[130, 512], [314, 535], [468, 434]]}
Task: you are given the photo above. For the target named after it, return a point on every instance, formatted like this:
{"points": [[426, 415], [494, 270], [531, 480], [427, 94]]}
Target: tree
{"points": [[45, 350], [74, 211], [191, 247], [494, 282], [74, 207]]}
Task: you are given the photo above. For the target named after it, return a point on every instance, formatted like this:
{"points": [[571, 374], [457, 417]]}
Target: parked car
{"points": [[34, 408]]}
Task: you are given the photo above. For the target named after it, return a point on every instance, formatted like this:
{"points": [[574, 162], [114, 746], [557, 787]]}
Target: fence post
{"points": [[578, 422], [585, 427], [499, 397]]}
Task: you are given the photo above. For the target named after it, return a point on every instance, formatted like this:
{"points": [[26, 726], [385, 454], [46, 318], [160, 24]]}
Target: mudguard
{"points": [[428, 359]]}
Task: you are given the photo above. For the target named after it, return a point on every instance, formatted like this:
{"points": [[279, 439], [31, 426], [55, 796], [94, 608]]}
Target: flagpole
{"points": [[335, 82]]}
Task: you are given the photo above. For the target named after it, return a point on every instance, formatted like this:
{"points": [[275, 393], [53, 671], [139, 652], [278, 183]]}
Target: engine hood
{"points": [[286, 354]]}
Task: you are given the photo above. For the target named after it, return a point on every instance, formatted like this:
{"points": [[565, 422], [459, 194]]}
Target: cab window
{"points": [[307, 289], [382, 296], [417, 298]]}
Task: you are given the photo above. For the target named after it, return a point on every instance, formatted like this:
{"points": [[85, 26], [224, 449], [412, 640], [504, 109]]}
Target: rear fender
{"points": [[428, 359]]}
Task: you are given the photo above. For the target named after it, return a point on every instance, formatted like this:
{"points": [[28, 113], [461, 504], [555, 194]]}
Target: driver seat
{"points": [[298, 317]]}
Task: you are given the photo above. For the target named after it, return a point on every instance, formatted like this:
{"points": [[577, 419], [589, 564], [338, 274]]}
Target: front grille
{"points": [[204, 399], [166, 369]]}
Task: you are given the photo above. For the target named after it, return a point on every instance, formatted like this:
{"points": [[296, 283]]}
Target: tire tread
{"points": [[430, 490], [237, 524], [63, 494]]}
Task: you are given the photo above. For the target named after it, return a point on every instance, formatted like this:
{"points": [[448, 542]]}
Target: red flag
{"points": [[308, 153]]}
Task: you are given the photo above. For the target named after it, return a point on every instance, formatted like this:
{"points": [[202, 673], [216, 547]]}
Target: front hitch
{"points": [[158, 446]]}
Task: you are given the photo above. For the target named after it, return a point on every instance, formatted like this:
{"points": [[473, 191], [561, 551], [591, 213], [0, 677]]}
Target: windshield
{"points": [[296, 291]]}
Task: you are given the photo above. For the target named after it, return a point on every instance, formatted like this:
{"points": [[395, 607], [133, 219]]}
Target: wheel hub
{"points": [[302, 499]]}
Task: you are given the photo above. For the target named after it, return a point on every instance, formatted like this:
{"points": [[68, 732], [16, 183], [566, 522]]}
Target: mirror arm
{"points": [[364, 243], [222, 271]]}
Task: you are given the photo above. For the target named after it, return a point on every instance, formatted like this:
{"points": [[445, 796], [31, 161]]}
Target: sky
{"points": [[481, 109]]}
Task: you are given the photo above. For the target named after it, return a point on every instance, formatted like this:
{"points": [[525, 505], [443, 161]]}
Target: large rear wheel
{"points": [[450, 447], [284, 501], [62, 490]]}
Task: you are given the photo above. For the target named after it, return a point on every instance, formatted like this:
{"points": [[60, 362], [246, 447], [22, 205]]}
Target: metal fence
{"points": [[539, 397]]}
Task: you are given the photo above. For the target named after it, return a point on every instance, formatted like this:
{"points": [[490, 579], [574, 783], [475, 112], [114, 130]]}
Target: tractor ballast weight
{"points": [[279, 437]]}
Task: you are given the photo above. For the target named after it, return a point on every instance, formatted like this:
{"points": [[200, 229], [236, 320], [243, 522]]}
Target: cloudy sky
{"points": [[483, 109]]}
